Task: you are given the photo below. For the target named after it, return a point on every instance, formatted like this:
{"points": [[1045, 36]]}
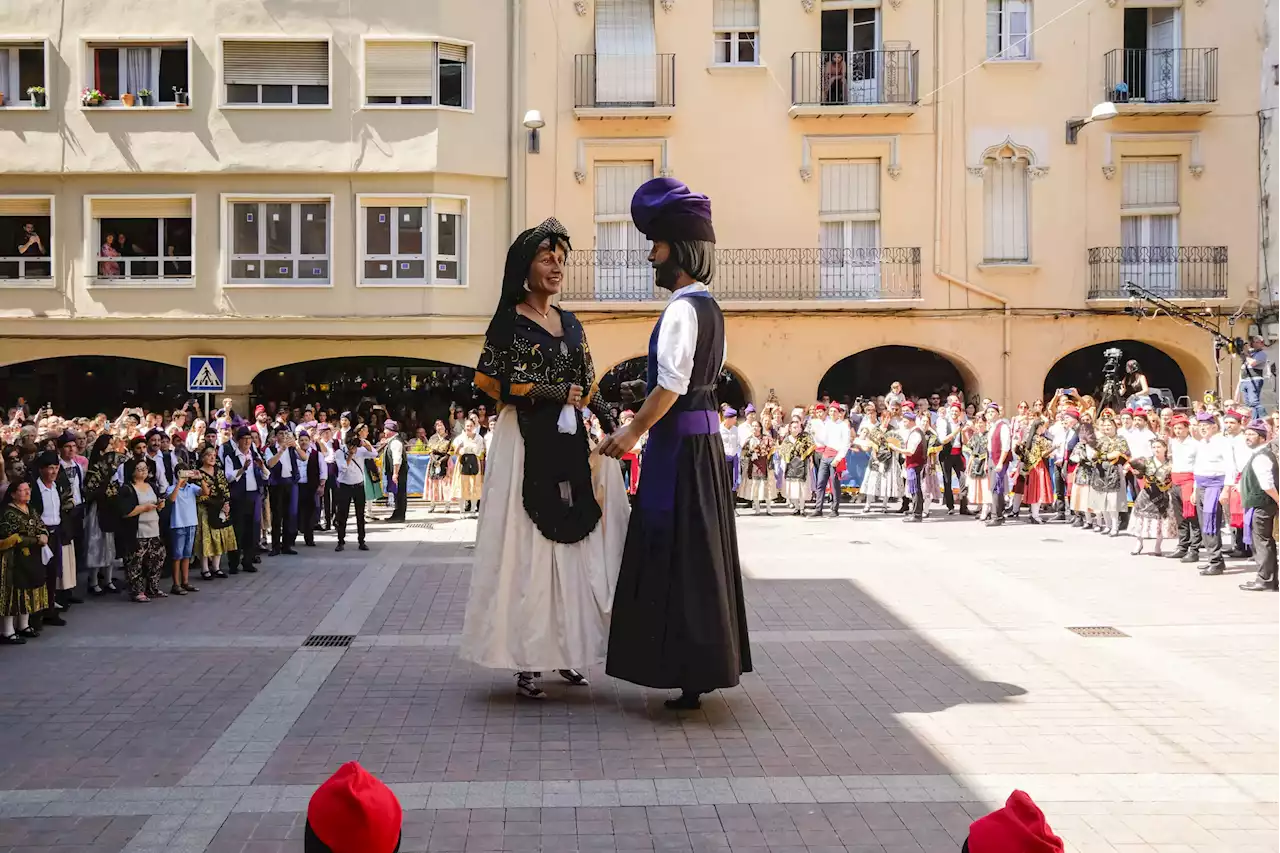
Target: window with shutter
{"points": [[416, 72], [1149, 222], [737, 28], [622, 252], [143, 240], [279, 241], [153, 73], [412, 240], [849, 230], [1004, 204], [26, 240], [21, 68], [626, 53], [276, 73], [1008, 29]]}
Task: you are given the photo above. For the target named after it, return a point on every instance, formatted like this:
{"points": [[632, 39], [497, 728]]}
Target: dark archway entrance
{"points": [[730, 389], [1084, 369], [870, 373], [414, 391], [86, 385]]}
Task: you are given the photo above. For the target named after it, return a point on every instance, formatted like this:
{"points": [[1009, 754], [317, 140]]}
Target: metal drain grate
{"points": [[328, 641], [420, 525], [1097, 631]]}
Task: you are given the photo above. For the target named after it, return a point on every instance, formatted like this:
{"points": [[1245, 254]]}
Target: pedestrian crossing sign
{"points": [[207, 373]]}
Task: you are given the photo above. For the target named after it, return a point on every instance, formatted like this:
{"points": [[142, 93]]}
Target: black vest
{"points": [[707, 358]]}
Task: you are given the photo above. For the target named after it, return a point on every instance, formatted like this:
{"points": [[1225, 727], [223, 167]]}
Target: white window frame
{"points": [[9, 45], [223, 104], [34, 283], [88, 44], [1006, 43], [162, 283], [988, 213], [469, 72], [854, 276], [431, 254], [1160, 277], [627, 279], [734, 36], [228, 200]]}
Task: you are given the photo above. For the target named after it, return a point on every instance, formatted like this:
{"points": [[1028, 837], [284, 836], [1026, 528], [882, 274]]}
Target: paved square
{"points": [[907, 678]]}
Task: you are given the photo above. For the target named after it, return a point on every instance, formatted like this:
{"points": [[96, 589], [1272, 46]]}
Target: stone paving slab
{"points": [[68, 835]]}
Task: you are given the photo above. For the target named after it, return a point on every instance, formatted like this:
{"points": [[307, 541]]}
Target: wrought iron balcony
{"points": [[1162, 81], [854, 82], [624, 275], [642, 85], [1174, 272]]}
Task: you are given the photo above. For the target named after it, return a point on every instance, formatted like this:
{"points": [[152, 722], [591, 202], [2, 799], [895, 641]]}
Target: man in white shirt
{"points": [[836, 440], [732, 447], [1064, 436], [1183, 449], [73, 525], [1213, 465], [913, 464], [1233, 432], [999, 453], [247, 476], [51, 500], [745, 427], [262, 424], [350, 461], [325, 448], [951, 456], [1260, 501], [396, 464]]}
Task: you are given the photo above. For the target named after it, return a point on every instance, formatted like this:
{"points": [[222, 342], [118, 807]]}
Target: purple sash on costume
{"points": [[1248, 525], [657, 493], [913, 475], [1000, 479], [1210, 506]]}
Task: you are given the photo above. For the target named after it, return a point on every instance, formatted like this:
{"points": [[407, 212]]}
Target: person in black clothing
{"points": [[246, 472]]}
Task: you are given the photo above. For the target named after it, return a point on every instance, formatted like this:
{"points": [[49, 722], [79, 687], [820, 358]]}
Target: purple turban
{"points": [[1206, 418], [666, 209], [1260, 427]]}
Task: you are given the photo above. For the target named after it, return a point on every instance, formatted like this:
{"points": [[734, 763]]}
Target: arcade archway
{"points": [[1085, 369], [415, 391], [85, 385], [869, 373], [730, 389]]}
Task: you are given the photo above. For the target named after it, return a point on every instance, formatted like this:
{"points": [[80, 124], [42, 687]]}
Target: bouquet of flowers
{"points": [[91, 97]]}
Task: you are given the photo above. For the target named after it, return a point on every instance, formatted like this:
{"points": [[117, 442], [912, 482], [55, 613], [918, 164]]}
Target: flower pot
{"points": [[146, 100], [182, 99], [127, 99], [37, 99], [1, 99]]}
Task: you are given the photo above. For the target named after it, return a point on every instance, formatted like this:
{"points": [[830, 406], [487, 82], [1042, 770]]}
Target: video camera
{"points": [[1111, 362]]}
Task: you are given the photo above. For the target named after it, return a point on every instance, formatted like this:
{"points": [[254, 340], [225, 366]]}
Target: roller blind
{"points": [[616, 183], [1004, 196], [456, 52], [625, 28], [736, 14], [126, 208], [850, 186], [24, 206], [394, 201], [399, 68], [1149, 181], [280, 63]]}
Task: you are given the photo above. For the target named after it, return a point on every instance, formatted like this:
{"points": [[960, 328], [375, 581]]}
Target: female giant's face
{"points": [[546, 273]]}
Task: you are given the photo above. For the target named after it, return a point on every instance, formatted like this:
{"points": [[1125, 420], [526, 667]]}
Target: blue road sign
{"points": [[207, 373]]}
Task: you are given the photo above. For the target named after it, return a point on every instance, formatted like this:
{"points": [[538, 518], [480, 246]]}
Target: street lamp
{"points": [[1104, 111], [533, 121]]}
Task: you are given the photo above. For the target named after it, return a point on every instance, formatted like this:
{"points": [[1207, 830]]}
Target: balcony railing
{"points": [[833, 78], [1174, 272], [152, 269], [622, 275], [1161, 75], [20, 269], [602, 81]]}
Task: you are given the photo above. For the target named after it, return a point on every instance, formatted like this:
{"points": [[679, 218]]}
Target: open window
{"points": [[26, 240], [412, 240], [142, 239], [737, 32], [23, 74], [279, 241], [276, 73], [414, 72], [139, 73]]}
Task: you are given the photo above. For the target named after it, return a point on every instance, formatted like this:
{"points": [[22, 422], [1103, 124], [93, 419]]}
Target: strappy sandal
{"points": [[205, 574], [574, 677], [29, 633], [159, 593], [141, 598], [111, 587], [219, 574], [11, 640], [527, 687], [189, 588]]}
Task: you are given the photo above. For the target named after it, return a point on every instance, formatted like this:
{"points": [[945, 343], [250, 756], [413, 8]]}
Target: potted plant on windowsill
{"points": [[180, 97], [91, 97], [146, 98], [1, 99], [37, 94], [128, 99]]}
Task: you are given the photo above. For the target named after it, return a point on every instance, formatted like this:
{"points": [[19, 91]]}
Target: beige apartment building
{"points": [[896, 173], [292, 185]]}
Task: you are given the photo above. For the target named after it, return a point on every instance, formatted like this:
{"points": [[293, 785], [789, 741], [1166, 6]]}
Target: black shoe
{"points": [[290, 552], [362, 547], [951, 512], [395, 518], [1060, 516], [29, 632], [310, 543], [685, 702], [233, 571], [1211, 570], [1033, 520], [251, 569], [257, 559], [274, 552], [1176, 555], [72, 599], [1254, 585], [965, 511], [1191, 557], [1238, 554], [340, 547], [1079, 522], [54, 619], [12, 640]]}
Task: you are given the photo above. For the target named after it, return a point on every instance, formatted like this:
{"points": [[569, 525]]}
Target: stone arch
{"points": [[82, 385], [1083, 369], [1010, 149], [869, 372]]}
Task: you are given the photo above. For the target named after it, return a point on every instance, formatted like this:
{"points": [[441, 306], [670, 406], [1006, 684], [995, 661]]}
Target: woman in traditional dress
{"points": [[1036, 451], [1155, 514], [884, 481], [1085, 458], [976, 467], [100, 518], [547, 548], [215, 534], [437, 485], [468, 472], [795, 450], [1106, 492], [372, 475], [22, 575], [757, 454]]}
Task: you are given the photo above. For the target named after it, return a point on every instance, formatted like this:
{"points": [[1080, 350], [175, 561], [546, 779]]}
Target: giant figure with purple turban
{"points": [[679, 621]]}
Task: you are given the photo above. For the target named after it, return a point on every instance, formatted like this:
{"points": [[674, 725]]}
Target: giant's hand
{"points": [[619, 444]]}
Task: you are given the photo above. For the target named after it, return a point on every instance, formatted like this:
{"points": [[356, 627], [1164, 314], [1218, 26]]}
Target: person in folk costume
{"points": [[395, 462], [100, 520], [437, 481], [23, 591], [795, 451], [1213, 464], [680, 619], [977, 479], [468, 472], [51, 500], [1107, 493], [1183, 448], [757, 454], [731, 440], [1233, 430], [1258, 481], [999, 455], [1035, 452], [548, 547], [1085, 459], [884, 472], [1155, 514], [1064, 434], [916, 454]]}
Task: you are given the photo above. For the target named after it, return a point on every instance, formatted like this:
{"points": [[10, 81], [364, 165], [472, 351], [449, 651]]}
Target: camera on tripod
{"points": [[1111, 363]]}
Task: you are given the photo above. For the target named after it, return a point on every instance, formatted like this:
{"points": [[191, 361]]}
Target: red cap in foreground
{"points": [[1019, 827], [353, 812]]}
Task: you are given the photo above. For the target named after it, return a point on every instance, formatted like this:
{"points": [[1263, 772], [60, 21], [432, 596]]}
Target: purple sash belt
{"points": [[1248, 525], [657, 493], [1210, 506]]}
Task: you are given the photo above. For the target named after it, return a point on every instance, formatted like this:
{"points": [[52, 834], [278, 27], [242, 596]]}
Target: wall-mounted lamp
{"points": [[1104, 111], [533, 121]]}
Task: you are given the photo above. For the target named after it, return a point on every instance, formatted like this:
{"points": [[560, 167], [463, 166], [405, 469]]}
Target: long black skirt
{"points": [[679, 619]]}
